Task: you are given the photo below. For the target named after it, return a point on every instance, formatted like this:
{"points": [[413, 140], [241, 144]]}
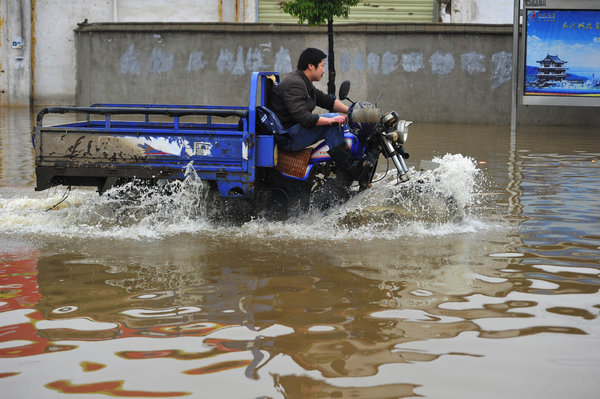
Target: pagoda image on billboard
{"points": [[551, 71]]}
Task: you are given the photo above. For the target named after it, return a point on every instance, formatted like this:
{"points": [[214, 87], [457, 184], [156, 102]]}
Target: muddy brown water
{"points": [[482, 283]]}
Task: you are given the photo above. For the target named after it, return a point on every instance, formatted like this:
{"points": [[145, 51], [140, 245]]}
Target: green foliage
{"points": [[318, 12]]}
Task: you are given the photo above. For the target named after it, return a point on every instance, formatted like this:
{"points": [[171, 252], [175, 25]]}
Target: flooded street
{"points": [[481, 283]]}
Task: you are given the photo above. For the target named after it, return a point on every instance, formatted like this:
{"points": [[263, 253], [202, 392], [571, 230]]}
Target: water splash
{"points": [[437, 196], [436, 202], [134, 210]]}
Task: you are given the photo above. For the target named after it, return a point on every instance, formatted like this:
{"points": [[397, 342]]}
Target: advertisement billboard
{"points": [[561, 63]]}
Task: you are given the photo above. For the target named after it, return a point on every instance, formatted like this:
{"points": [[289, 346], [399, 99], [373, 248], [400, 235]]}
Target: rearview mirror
{"points": [[344, 90]]}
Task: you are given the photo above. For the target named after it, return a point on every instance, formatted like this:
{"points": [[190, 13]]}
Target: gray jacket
{"points": [[294, 99]]}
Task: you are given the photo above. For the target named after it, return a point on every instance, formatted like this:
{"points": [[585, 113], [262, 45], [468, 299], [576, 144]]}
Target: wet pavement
{"points": [[398, 293]]}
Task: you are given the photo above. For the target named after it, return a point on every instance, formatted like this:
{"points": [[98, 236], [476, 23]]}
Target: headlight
{"points": [[402, 130], [400, 133]]}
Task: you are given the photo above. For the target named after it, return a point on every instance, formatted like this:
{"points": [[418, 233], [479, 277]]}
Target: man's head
{"points": [[312, 63], [310, 56]]}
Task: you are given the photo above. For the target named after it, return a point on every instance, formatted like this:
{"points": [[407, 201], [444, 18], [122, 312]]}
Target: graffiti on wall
{"points": [[241, 61]]}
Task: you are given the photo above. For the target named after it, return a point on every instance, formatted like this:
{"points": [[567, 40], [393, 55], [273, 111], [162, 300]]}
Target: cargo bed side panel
{"points": [[218, 154]]}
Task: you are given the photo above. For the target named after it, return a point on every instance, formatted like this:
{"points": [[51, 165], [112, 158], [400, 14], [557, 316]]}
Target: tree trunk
{"points": [[331, 59]]}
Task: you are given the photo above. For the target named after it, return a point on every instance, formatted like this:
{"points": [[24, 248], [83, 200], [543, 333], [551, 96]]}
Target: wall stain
{"points": [[247, 59]]}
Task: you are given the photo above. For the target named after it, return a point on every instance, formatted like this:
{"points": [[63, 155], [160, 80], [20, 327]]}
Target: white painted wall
{"points": [[4, 54], [482, 11], [166, 10], [15, 48], [184, 10], [493, 12], [54, 63], [55, 21]]}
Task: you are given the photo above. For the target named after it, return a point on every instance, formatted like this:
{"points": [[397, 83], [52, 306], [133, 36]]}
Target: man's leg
{"points": [[302, 137], [334, 135], [347, 167]]}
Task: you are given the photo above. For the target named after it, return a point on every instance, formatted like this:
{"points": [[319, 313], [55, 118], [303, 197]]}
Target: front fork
{"points": [[397, 158], [401, 167]]}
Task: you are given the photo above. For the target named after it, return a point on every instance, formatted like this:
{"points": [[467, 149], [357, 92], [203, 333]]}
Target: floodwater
{"points": [[482, 283]]}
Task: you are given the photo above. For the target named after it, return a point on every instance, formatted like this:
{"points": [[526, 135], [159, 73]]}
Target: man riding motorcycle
{"points": [[293, 101]]}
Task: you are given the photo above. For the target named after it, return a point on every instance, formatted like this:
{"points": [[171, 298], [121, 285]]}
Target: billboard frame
{"points": [[547, 6]]}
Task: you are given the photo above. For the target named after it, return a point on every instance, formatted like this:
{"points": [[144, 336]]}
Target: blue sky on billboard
{"points": [[574, 36]]}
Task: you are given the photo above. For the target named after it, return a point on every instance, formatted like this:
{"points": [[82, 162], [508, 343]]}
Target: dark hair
{"points": [[310, 56]]}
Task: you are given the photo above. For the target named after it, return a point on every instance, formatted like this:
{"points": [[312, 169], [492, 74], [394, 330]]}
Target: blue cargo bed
{"points": [[220, 144]]}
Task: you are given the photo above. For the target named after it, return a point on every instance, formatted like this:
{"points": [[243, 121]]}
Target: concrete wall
{"points": [[42, 71], [428, 72]]}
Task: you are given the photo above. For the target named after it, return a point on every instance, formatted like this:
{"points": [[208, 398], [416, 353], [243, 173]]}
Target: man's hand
{"points": [[332, 121], [339, 120]]}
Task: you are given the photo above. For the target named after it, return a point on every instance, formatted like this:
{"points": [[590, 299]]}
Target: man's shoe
{"points": [[346, 166]]}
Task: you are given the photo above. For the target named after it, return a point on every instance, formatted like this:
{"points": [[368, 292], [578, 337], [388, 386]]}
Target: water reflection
{"points": [[266, 319], [503, 305]]}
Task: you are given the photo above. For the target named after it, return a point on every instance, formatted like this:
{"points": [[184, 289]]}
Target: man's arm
{"points": [[340, 107]]}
